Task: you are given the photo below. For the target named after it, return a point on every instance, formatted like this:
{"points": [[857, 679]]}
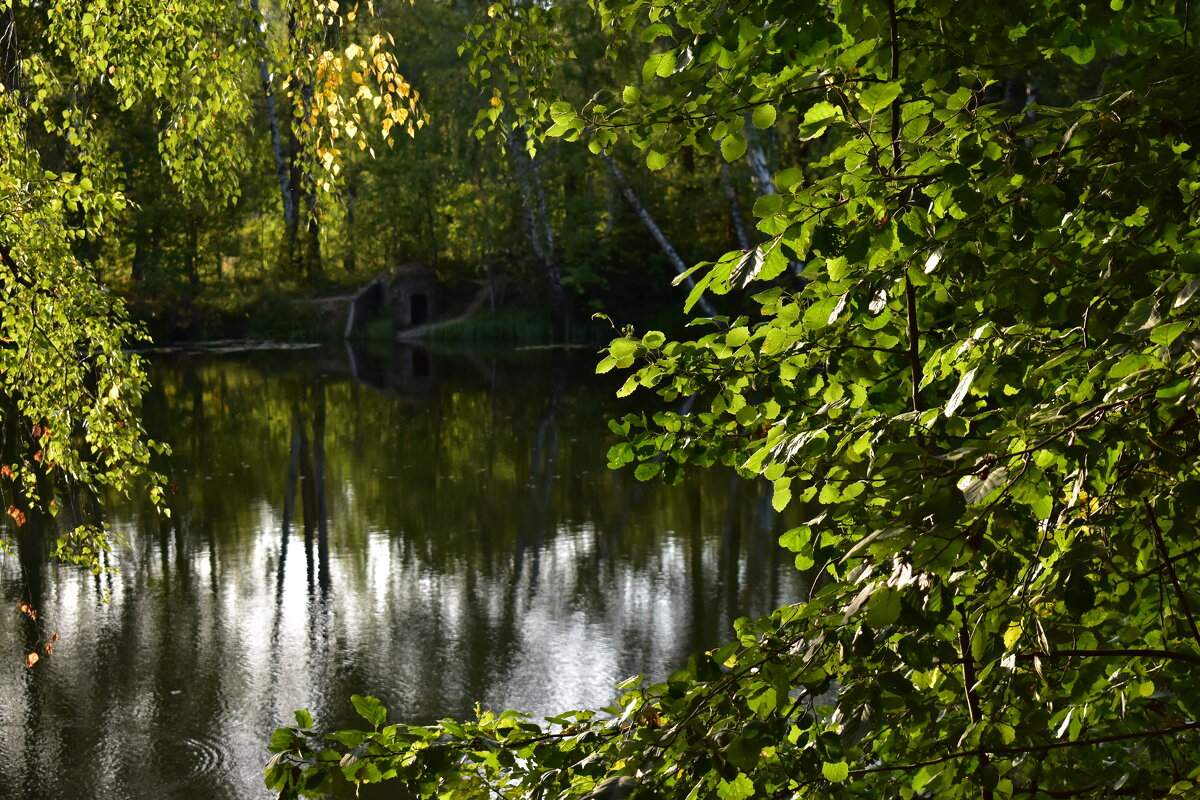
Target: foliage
{"points": [[982, 387], [68, 76]]}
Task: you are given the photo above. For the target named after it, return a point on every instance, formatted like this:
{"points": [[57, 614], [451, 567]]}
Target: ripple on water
{"points": [[207, 758]]}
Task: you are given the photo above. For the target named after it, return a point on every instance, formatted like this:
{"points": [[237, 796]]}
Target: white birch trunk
{"points": [[735, 208], [657, 233], [291, 207]]}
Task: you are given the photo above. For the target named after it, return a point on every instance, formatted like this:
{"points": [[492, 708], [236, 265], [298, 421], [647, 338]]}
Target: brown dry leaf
{"points": [[32, 659], [39, 455], [49, 648], [54, 637], [17, 514], [6, 471], [25, 608]]}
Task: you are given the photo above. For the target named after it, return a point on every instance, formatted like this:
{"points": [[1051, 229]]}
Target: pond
{"points": [[434, 529]]}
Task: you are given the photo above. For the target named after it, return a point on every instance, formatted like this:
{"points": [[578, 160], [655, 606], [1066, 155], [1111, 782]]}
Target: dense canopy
{"points": [[969, 351], [963, 339]]}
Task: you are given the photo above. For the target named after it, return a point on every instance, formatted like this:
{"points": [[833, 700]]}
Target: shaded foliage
{"points": [[983, 380]]}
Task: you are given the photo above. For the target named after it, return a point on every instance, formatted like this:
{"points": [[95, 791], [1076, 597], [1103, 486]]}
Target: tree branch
{"points": [[1166, 557], [1170, 655], [7, 258], [1037, 748]]}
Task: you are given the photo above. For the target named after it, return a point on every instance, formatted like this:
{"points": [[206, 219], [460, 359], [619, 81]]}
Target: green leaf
{"points": [[1134, 362], [623, 348], [656, 160], [1165, 334], [739, 788], [370, 709], [283, 739], [763, 702], [733, 146], [879, 96], [787, 178], [782, 494], [653, 339], [835, 772], [647, 470], [837, 268], [767, 205], [303, 719], [764, 116], [819, 117], [883, 608], [666, 64]]}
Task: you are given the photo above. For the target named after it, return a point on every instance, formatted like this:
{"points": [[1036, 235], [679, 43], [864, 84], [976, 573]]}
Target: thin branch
{"points": [[7, 258], [914, 344], [1170, 655], [1171, 560], [1170, 568], [1037, 748]]}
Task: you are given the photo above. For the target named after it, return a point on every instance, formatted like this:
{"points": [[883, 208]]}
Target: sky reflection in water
{"points": [[433, 530]]}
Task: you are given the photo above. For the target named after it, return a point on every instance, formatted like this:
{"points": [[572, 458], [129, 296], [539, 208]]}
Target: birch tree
{"points": [[69, 387], [983, 393]]}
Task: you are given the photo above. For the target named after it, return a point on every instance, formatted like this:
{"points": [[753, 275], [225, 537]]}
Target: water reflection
{"points": [[435, 530]]}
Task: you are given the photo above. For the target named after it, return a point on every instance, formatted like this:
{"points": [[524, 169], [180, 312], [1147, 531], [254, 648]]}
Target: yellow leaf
{"points": [[1012, 634], [353, 51]]}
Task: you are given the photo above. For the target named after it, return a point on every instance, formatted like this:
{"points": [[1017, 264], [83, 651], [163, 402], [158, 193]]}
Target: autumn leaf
{"points": [[32, 659], [17, 514]]}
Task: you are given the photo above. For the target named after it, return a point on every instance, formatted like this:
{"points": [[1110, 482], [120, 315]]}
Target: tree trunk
{"points": [[287, 189], [350, 259], [735, 208], [193, 255], [657, 233], [757, 159], [538, 228]]}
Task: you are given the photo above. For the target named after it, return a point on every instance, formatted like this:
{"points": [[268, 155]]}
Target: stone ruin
{"points": [[405, 293]]}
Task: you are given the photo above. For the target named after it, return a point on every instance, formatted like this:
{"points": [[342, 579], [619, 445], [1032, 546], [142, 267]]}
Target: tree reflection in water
{"points": [[463, 541]]}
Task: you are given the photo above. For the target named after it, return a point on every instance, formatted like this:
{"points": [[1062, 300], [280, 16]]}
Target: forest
{"points": [[938, 264], [251, 213]]}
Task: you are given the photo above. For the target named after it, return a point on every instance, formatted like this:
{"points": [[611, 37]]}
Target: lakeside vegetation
{"points": [[963, 326]]}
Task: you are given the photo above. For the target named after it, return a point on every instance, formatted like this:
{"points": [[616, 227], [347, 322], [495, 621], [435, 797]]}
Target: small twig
{"points": [[1170, 568], [1170, 655], [1039, 748]]}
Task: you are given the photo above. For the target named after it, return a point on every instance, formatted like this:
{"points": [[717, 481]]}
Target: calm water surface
{"points": [[432, 529]]}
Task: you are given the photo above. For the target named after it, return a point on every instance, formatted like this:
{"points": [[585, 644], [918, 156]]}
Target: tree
{"points": [[69, 387], [984, 390]]}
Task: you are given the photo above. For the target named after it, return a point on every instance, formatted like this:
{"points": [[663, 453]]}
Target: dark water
{"points": [[435, 530]]}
